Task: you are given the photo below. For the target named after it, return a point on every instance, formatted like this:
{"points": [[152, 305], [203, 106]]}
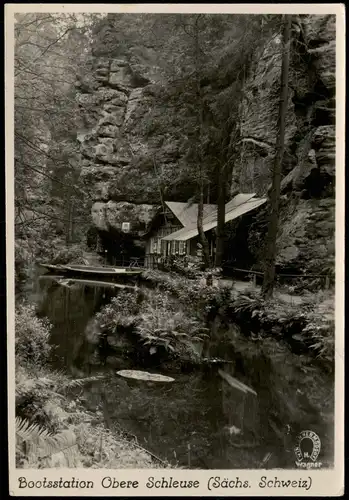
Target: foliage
{"points": [[162, 324], [320, 329], [194, 294], [72, 254], [121, 310], [53, 428], [206, 299], [272, 311], [69, 435], [313, 319], [31, 336], [50, 205], [36, 446]]}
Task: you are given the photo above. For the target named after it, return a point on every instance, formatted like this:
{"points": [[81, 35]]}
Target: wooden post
{"points": [[327, 282], [209, 280], [254, 279]]}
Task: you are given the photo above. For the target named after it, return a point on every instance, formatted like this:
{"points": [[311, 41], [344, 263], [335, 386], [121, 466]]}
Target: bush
{"points": [[120, 311], [69, 255], [320, 330], [194, 295], [31, 336], [55, 430], [162, 324]]}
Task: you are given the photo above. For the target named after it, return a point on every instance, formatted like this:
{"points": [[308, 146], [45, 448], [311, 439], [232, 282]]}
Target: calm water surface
{"points": [[196, 421]]}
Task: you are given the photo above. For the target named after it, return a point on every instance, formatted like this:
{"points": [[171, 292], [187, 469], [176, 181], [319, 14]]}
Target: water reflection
{"points": [[69, 308], [196, 421]]}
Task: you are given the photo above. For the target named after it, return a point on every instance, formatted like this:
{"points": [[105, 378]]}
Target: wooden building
{"points": [[174, 232], [174, 217], [188, 236]]}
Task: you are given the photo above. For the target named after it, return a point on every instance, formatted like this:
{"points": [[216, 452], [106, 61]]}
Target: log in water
{"points": [[144, 376]]}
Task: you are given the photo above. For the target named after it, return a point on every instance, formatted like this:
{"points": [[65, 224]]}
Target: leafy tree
{"points": [[48, 52]]}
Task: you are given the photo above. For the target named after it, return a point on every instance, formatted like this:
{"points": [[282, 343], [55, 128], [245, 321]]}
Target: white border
{"points": [[324, 482]]}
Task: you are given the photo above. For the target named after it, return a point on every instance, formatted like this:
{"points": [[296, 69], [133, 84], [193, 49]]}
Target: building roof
{"points": [[239, 205], [187, 213]]}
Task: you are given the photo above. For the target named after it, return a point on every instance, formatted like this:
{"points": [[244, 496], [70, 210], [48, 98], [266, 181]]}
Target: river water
{"points": [[197, 421]]}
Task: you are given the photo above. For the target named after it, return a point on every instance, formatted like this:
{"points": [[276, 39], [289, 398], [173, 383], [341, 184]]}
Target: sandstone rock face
{"points": [[127, 151], [112, 215], [104, 101], [320, 38], [306, 240], [111, 101]]}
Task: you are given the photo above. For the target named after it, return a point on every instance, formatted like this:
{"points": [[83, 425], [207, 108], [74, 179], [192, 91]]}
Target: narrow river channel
{"points": [[193, 422]]}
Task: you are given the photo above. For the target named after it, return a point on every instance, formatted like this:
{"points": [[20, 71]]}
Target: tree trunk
{"points": [[220, 217], [69, 227], [274, 196], [202, 237], [72, 221]]}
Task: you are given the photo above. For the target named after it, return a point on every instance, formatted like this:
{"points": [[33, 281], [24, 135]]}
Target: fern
{"points": [[80, 382], [38, 443], [26, 431]]}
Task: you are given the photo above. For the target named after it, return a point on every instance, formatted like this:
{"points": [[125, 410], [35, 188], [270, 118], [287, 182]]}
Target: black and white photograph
{"points": [[174, 242]]}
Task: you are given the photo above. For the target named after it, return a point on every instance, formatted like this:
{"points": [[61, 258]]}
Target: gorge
{"points": [[132, 111]]}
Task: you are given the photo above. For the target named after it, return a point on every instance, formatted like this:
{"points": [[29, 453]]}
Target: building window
{"points": [[153, 245], [163, 247], [182, 247]]}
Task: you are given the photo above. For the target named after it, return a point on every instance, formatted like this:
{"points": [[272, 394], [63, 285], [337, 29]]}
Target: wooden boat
{"points": [[93, 270], [94, 283], [52, 267]]}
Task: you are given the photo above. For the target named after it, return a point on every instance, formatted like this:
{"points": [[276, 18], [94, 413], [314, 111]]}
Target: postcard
{"points": [[175, 249]]}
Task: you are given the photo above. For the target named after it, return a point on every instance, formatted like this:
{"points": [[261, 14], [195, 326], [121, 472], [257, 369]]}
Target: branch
{"points": [[35, 148], [54, 179], [49, 216]]}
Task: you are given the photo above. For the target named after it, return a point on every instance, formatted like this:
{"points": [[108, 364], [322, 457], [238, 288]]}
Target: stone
{"points": [[102, 71], [107, 94], [101, 191], [117, 64], [103, 149], [114, 118], [122, 78], [135, 99], [324, 143], [98, 216], [108, 131], [102, 62], [114, 108], [320, 38], [123, 140], [102, 78], [113, 214]]}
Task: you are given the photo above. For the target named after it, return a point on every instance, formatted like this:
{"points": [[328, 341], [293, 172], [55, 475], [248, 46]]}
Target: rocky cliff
{"points": [[128, 153], [306, 237], [125, 157]]}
